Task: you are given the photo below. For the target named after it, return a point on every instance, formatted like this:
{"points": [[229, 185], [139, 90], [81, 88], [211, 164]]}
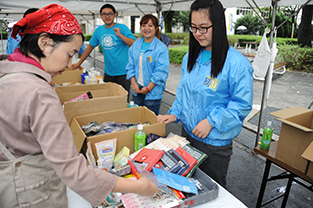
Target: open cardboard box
{"points": [[69, 76], [296, 135], [106, 96], [124, 138]]}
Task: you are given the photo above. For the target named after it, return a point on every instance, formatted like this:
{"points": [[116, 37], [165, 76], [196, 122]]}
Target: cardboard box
{"points": [[124, 138], [68, 76], [296, 134], [106, 97], [308, 155]]}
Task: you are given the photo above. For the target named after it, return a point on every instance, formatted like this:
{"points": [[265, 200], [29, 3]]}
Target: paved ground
{"points": [[246, 169]]}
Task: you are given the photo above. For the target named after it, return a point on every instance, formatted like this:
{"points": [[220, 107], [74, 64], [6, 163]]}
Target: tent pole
{"points": [[274, 4], [94, 28], [2, 38]]}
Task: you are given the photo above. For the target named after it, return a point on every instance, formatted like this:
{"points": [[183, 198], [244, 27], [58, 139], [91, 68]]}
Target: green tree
{"points": [[305, 27], [168, 17], [181, 18], [253, 24]]}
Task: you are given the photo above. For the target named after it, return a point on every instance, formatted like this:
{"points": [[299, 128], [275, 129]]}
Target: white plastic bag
{"points": [[262, 58]]}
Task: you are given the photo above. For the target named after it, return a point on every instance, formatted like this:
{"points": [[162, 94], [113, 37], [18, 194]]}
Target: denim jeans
{"points": [[153, 105]]}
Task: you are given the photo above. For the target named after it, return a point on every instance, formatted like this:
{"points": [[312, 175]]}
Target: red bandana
{"points": [[53, 19]]}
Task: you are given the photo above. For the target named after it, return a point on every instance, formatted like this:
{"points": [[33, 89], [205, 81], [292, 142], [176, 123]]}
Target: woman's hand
{"points": [[136, 88], [166, 118], [203, 129], [144, 186], [144, 90]]}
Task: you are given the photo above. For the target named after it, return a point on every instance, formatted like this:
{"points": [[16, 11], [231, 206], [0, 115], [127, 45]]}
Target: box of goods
{"points": [[105, 97], [68, 77], [296, 135], [129, 116]]}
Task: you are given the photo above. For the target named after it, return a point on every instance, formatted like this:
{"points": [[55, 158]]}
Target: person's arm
{"points": [[143, 187], [177, 105], [127, 41], [161, 68], [86, 53], [145, 91], [240, 104], [135, 86]]}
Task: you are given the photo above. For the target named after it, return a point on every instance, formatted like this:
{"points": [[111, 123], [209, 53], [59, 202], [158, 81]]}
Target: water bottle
{"points": [[83, 75], [140, 138], [131, 104], [93, 79], [267, 136]]}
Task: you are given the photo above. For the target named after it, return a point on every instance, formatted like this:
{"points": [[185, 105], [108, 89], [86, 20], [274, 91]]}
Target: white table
{"points": [[224, 200]]}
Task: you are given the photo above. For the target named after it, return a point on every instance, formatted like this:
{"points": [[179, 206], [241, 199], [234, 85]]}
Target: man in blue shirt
{"points": [[115, 39], [12, 43]]}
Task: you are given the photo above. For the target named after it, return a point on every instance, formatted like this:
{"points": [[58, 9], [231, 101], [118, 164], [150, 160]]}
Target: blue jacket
{"points": [[225, 101], [12, 43], [155, 66]]}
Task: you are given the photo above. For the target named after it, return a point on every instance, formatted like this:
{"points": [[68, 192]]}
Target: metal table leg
{"points": [[286, 195], [264, 181]]}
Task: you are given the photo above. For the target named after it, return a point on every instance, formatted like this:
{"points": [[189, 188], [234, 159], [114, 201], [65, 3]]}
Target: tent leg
{"points": [[274, 4]]}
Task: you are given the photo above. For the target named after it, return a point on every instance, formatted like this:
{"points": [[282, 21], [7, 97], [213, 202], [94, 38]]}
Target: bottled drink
{"points": [[83, 75], [267, 136], [140, 138], [99, 78], [131, 104]]}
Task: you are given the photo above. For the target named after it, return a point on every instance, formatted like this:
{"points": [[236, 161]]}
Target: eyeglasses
{"points": [[107, 14], [202, 30]]}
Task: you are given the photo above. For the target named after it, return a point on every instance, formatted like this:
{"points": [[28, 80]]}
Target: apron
{"points": [[29, 181]]}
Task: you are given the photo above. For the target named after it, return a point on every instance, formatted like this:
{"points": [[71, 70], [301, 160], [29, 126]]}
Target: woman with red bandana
{"points": [[37, 154]]}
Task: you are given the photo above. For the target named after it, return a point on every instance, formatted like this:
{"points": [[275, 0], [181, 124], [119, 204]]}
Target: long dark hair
{"points": [[220, 44]]}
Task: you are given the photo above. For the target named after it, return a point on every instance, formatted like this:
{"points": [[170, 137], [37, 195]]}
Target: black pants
{"points": [[217, 162], [121, 80]]}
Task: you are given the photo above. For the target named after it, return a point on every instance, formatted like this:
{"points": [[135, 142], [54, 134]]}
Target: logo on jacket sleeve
{"points": [[211, 82]]}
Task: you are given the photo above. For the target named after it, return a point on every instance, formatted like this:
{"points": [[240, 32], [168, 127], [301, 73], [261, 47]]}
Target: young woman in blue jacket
{"points": [[148, 65], [215, 91]]}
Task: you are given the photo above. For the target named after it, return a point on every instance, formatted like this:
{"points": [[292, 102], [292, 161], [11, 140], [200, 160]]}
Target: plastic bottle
{"points": [[267, 136], [83, 75], [140, 138], [93, 78], [131, 104], [99, 78]]}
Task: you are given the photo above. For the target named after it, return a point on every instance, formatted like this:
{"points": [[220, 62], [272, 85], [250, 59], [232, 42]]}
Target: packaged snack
{"points": [[106, 152], [121, 158], [90, 158]]}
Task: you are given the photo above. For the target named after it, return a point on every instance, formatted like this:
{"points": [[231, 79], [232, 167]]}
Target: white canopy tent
{"points": [[90, 8], [16, 8]]}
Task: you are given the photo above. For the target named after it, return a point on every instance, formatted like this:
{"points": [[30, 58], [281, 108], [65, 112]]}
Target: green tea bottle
{"points": [[140, 138], [267, 136]]}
